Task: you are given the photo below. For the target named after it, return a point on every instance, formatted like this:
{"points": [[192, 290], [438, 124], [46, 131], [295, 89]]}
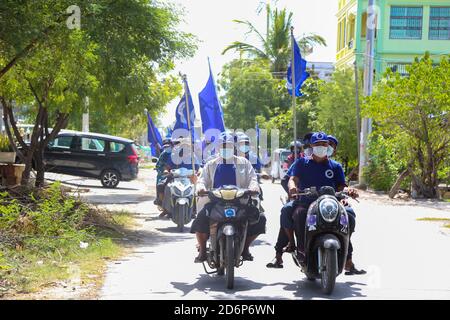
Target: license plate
{"points": [[230, 213]]}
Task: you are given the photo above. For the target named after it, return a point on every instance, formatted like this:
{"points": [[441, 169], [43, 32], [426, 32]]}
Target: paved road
{"points": [[405, 258]]}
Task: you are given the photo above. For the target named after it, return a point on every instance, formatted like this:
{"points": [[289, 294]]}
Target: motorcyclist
{"points": [[291, 158], [243, 150], [162, 165], [316, 171], [180, 157], [226, 169], [282, 239]]}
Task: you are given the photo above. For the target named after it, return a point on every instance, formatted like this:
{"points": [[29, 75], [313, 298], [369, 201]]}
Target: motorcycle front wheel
{"points": [[329, 271], [229, 261]]}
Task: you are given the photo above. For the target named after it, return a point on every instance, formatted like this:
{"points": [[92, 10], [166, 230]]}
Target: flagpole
{"points": [[188, 117], [294, 113]]}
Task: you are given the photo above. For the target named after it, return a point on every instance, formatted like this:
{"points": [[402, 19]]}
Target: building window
{"points": [[406, 23], [439, 23]]}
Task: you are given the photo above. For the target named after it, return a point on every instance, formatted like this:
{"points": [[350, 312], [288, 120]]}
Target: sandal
{"points": [[276, 264]]}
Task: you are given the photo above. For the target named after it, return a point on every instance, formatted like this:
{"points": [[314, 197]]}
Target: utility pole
{"points": [[366, 125], [358, 111], [85, 117]]}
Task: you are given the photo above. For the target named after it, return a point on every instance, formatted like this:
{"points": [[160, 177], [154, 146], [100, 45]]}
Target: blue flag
{"points": [[300, 71], [182, 116], [153, 136], [168, 132], [210, 107]]}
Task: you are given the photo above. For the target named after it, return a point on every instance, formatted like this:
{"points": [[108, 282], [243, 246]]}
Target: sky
{"points": [[212, 22]]}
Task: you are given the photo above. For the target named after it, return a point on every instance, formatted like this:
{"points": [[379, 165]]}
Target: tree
{"points": [[250, 91], [117, 58], [416, 110], [336, 114], [276, 46], [306, 110]]}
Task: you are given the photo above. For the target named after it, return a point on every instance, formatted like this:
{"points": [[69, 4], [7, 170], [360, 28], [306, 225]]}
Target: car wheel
{"points": [[110, 178]]}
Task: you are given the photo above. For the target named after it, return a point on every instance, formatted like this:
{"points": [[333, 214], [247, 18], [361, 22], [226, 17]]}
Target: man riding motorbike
{"points": [[282, 239], [179, 157], [225, 169], [163, 164], [316, 171]]}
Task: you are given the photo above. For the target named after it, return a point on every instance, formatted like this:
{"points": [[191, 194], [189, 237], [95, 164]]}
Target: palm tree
{"points": [[275, 47]]}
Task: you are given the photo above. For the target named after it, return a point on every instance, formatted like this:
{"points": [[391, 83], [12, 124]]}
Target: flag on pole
{"points": [[153, 136], [181, 113], [210, 107], [300, 71]]}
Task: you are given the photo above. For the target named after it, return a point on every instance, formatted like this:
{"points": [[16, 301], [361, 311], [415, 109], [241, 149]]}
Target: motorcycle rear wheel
{"points": [[229, 261]]}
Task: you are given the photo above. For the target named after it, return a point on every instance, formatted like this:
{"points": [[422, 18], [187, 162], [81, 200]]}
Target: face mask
{"points": [[308, 152], [244, 148], [330, 151], [226, 153], [320, 151]]}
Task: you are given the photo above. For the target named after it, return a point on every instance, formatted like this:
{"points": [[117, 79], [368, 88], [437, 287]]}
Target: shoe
{"points": [[275, 264], [200, 258], [350, 269], [247, 256]]}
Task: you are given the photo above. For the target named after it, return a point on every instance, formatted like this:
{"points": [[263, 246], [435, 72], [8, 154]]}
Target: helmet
{"points": [[226, 137], [295, 143], [243, 138], [307, 138], [333, 139]]}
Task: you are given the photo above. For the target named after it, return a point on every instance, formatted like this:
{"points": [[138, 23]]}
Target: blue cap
{"points": [[334, 139], [319, 137]]}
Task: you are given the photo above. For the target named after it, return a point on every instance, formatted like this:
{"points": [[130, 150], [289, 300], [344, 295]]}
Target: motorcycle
{"points": [[327, 237], [181, 203], [231, 211]]}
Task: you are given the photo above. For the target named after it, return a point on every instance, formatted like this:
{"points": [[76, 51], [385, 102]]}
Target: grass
{"points": [[447, 225], [434, 219], [43, 238]]}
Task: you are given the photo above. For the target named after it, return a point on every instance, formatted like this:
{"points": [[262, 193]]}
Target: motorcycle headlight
{"points": [[328, 209], [176, 191], [188, 191]]}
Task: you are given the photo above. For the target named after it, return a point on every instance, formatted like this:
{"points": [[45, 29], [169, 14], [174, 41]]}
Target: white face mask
{"points": [[244, 148], [320, 151], [308, 152], [226, 153], [330, 151]]}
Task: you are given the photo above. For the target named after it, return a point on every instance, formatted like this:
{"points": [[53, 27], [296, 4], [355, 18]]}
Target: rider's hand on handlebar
{"points": [[202, 192], [293, 193], [353, 193], [193, 179]]}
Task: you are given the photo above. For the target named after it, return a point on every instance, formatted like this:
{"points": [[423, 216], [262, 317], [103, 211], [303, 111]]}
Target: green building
{"points": [[405, 29]]}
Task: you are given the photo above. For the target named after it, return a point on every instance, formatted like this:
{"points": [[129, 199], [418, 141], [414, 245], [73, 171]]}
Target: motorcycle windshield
{"points": [[182, 172]]}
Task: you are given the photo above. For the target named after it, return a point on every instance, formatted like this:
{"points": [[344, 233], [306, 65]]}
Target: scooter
{"points": [[231, 211], [327, 237], [181, 204]]}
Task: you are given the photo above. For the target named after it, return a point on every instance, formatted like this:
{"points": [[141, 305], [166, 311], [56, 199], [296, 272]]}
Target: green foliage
{"points": [[41, 232], [5, 145], [275, 47], [250, 91], [335, 114], [384, 166], [415, 112], [306, 110]]}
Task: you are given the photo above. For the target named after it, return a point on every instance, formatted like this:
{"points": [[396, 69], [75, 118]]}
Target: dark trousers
{"points": [[299, 222]]}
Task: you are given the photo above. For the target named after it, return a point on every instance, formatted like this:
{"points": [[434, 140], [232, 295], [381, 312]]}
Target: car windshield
{"points": [[284, 155]]}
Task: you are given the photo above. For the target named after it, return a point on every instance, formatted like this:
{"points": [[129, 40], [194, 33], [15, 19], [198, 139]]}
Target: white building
{"points": [[323, 70]]}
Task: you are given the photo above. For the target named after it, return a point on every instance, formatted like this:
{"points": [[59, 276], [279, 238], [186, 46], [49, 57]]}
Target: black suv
{"points": [[108, 158]]}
